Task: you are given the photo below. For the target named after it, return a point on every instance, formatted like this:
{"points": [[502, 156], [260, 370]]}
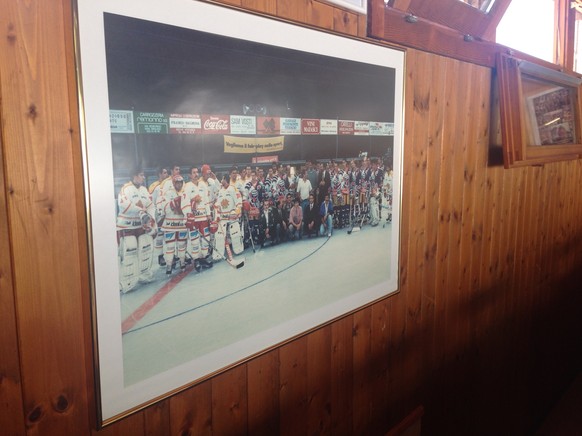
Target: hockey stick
{"points": [[235, 265], [246, 218], [354, 220]]}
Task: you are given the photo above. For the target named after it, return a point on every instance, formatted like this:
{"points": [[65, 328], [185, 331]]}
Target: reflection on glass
{"points": [[578, 41], [550, 112], [482, 5]]}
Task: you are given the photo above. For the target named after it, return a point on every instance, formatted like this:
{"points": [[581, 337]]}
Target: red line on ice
{"points": [[151, 302]]}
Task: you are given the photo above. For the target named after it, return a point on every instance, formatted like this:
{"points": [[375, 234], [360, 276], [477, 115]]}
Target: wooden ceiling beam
{"points": [[456, 15], [394, 26]]}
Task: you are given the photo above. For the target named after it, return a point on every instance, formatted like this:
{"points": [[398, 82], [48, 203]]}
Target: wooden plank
{"points": [[341, 376], [397, 360], [293, 9], [132, 425], [391, 25], [425, 35], [294, 404], [319, 381], [229, 402], [469, 209], [320, 15], [231, 2], [345, 22], [265, 6], [455, 155], [482, 189], [191, 411], [11, 413], [39, 173], [431, 310], [157, 419], [443, 300], [362, 26], [363, 380], [380, 350], [263, 394], [416, 157]]}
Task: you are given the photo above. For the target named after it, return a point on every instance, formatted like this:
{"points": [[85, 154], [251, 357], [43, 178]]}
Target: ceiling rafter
{"points": [[456, 15]]}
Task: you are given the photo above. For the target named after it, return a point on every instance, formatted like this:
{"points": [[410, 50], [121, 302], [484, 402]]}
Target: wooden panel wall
{"points": [[485, 332]]}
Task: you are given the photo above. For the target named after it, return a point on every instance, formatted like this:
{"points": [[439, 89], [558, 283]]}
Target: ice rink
{"points": [[186, 315]]}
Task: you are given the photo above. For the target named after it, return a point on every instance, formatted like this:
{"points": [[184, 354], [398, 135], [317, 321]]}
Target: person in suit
{"points": [[326, 214], [323, 183], [268, 225], [312, 218]]}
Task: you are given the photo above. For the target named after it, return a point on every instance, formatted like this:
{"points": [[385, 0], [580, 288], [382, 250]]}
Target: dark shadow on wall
{"points": [[521, 354]]}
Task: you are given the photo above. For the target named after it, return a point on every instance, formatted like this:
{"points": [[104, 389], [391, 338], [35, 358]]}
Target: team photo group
{"points": [[194, 216]]}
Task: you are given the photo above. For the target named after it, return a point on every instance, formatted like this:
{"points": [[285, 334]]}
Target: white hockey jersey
{"points": [[170, 207], [195, 201], [133, 202], [228, 204]]}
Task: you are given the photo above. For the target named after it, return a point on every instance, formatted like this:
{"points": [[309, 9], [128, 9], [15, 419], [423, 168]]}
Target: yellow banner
{"points": [[235, 144]]}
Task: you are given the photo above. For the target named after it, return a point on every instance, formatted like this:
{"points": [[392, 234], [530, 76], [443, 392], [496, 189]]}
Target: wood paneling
{"points": [[263, 394], [485, 332], [11, 414], [39, 175], [191, 411]]}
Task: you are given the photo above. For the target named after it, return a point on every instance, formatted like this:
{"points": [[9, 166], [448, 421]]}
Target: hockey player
{"points": [[209, 178], [167, 183], [344, 211], [253, 197], [196, 208], [387, 194], [376, 180], [237, 181], [173, 224], [135, 228], [228, 208], [336, 196], [154, 190], [154, 186]]}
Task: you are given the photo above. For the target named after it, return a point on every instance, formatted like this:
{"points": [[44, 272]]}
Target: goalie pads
{"points": [[128, 263], [236, 237], [219, 241], [145, 254], [374, 211]]}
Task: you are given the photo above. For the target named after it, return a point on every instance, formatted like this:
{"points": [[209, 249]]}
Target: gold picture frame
{"points": [[213, 85]]}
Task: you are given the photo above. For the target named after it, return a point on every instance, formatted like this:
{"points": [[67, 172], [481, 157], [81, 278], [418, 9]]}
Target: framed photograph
{"points": [[540, 112], [243, 187], [551, 114], [359, 6]]}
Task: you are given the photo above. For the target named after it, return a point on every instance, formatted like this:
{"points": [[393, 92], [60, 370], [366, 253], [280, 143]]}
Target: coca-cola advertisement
{"points": [[205, 127], [216, 124]]}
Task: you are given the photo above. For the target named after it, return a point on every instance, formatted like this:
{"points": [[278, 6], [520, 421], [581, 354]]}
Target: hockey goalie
{"points": [[136, 228], [228, 208]]}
